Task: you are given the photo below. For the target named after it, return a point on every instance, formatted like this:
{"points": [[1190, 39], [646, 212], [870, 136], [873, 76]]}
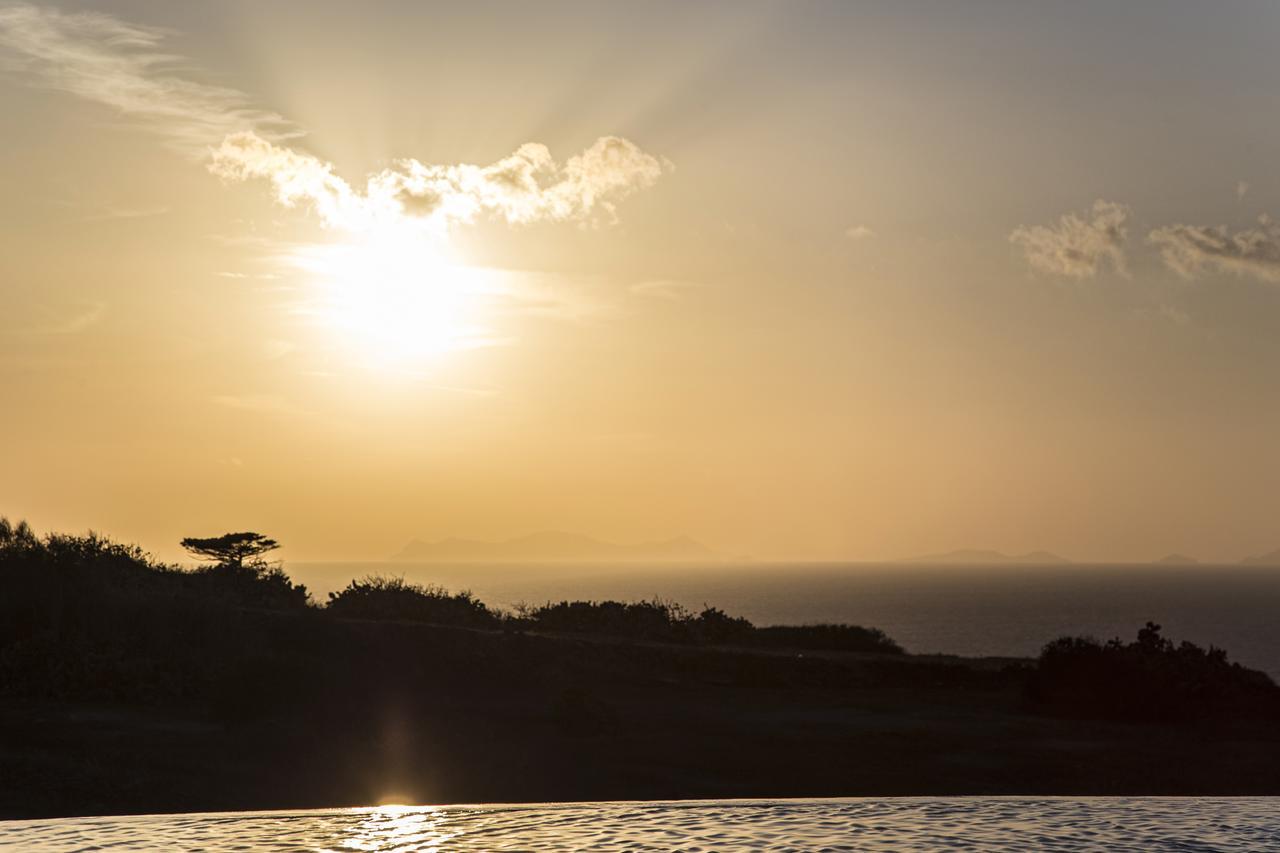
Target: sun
{"points": [[394, 297]]}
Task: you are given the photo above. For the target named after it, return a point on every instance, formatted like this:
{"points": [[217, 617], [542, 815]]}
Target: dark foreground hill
{"points": [[126, 686]]}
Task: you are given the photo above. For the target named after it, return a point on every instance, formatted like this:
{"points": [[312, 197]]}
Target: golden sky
{"points": [[801, 280]]}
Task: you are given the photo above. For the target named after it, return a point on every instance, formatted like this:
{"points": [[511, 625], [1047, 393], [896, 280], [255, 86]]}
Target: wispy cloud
{"points": [[528, 186], [665, 288], [121, 65], [260, 403], [1189, 250], [859, 232], [71, 322], [1077, 245], [111, 212], [560, 298], [278, 348], [76, 323], [397, 219], [1242, 188]]}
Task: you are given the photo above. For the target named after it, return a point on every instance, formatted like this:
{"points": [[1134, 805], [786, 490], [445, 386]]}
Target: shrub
{"points": [[649, 620], [1150, 679], [835, 638], [257, 584], [669, 622], [713, 625], [393, 598], [82, 615]]}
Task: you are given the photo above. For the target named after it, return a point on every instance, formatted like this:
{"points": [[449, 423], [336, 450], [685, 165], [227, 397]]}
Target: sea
{"points": [[998, 610], [888, 824]]}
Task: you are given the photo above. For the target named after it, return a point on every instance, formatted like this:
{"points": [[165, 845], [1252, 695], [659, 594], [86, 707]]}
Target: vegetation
{"points": [[85, 614], [665, 621], [131, 685], [382, 598], [230, 549], [82, 615], [241, 575], [1150, 679], [655, 620], [836, 638], [393, 598]]}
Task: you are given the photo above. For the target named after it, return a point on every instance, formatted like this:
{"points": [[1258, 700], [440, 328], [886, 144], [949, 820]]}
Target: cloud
{"points": [[266, 404], [120, 65], [70, 323], [385, 218], [111, 213], [859, 232], [1242, 187], [1189, 250], [1077, 246], [123, 66], [277, 348], [527, 186], [665, 288], [76, 323]]}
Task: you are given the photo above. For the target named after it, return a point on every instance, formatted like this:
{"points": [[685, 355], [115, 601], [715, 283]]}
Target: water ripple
{"points": [[959, 823]]}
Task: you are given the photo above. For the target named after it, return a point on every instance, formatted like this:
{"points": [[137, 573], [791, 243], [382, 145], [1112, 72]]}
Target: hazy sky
{"points": [[813, 280]]}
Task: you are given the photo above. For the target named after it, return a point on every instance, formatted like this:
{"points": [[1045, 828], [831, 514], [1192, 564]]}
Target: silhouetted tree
{"points": [[240, 574], [231, 549]]}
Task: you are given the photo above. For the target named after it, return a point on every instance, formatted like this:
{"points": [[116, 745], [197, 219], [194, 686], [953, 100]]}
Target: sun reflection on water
{"points": [[400, 828]]}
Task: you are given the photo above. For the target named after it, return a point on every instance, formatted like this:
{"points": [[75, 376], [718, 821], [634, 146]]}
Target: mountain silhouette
{"points": [[980, 557], [1271, 558], [553, 547]]}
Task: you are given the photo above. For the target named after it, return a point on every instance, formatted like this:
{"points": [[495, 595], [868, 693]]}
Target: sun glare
{"points": [[394, 297]]}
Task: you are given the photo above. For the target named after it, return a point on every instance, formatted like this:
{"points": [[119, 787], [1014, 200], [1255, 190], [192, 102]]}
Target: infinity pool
{"points": [[981, 823]]}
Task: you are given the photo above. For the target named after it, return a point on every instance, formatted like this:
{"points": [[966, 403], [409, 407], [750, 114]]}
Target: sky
{"points": [[801, 280]]}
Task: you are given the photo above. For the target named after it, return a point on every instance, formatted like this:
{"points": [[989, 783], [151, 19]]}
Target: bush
{"points": [[393, 598], [713, 625], [85, 616], [669, 622], [255, 584], [835, 638], [1150, 679], [648, 620]]}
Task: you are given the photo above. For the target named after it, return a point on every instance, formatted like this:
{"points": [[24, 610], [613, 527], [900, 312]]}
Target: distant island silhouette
{"points": [[554, 547], [987, 557], [980, 557]]}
